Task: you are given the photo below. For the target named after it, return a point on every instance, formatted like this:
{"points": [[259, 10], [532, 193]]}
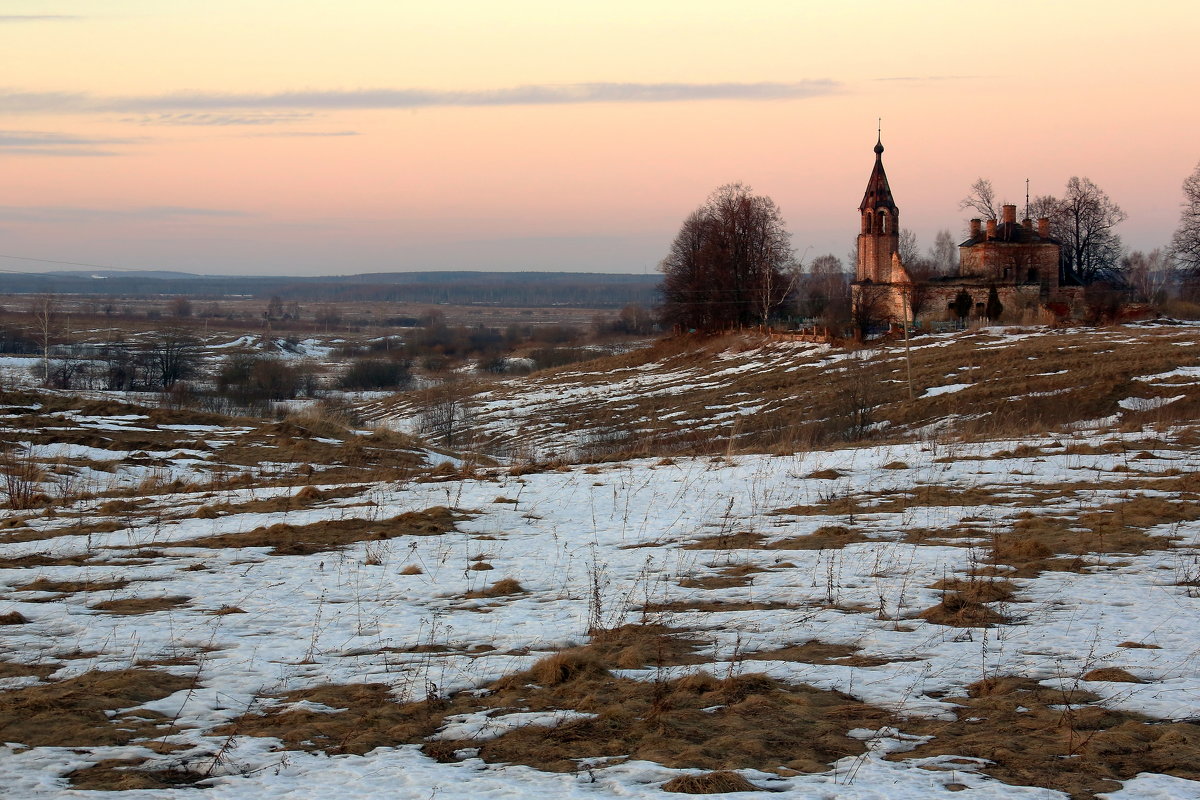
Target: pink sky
{"points": [[279, 137]]}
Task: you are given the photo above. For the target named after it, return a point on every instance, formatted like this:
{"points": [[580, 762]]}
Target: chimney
{"points": [[1044, 227], [976, 224], [991, 229], [1010, 214], [1027, 224]]}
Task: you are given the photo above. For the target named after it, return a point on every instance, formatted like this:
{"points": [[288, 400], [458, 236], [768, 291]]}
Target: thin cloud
{"points": [[196, 103], [15, 101], [569, 94], [213, 119], [49, 143], [304, 134], [929, 78]]}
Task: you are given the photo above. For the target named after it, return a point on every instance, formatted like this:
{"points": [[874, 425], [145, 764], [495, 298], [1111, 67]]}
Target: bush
{"points": [[253, 380], [376, 373]]}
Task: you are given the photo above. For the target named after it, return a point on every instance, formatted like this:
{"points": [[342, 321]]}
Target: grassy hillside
{"points": [[992, 587], [687, 396]]}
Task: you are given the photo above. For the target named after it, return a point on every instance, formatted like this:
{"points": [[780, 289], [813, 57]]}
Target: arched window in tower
{"points": [[883, 222], [866, 222]]}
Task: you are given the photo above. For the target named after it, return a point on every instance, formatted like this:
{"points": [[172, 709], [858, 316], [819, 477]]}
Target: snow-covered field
{"points": [[1011, 615]]}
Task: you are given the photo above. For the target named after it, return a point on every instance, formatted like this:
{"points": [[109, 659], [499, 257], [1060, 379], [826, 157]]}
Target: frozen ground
{"points": [[602, 544], [190, 590]]}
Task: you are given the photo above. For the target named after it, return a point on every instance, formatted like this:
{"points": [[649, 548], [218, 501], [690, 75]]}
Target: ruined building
{"points": [[1020, 260]]}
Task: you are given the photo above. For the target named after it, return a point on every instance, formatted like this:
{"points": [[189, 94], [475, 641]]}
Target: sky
{"points": [[282, 137]]}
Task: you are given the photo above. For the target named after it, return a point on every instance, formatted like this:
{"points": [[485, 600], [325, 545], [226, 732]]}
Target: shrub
{"points": [[376, 373]]}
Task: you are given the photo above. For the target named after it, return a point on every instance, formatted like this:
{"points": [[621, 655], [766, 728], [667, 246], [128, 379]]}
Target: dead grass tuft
{"points": [[717, 782], [130, 606], [63, 588], [1113, 674], [977, 590], [563, 667], [501, 588], [71, 713], [959, 611], [640, 646], [318, 537], [226, 610], [827, 537], [412, 569], [817, 652], [1032, 735], [118, 775]]}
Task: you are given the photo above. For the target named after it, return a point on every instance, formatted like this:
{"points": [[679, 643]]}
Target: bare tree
{"points": [[727, 265], [171, 355], [871, 308], [1185, 244], [45, 312], [1149, 274], [447, 414], [981, 199], [910, 251], [823, 291], [1086, 225], [943, 256]]}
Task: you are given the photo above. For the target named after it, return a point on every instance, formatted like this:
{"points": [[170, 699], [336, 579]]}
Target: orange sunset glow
{"points": [[273, 137]]}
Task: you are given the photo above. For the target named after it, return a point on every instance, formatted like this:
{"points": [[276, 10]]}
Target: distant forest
{"points": [[516, 289]]}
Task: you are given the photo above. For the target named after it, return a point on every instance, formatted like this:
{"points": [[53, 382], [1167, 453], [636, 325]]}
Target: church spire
{"points": [[879, 194]]}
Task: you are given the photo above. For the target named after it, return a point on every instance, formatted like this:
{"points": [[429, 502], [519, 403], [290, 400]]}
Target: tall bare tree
{"points": [[1087, 228], [1185, 244], [910, 251], [727, 266], [943, 256], [823, 292], [1149, 274], [982, 200]]}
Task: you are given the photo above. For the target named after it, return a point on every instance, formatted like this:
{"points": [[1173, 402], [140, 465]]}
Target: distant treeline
{"points": [[520, 289]]}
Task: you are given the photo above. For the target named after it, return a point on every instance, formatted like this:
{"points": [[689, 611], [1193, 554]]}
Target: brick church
{"points": [[1019, 259]]}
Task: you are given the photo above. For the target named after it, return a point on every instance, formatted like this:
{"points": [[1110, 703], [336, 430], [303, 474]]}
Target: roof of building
{"points": [[878, 194], [1011, 233]]}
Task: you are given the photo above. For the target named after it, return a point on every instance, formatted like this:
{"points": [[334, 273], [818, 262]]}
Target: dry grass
{"points": [[960, 611], [63, 588], [827, 537], [713, 606], [318, 537], [501, 588], [131, 606], [717, 782], [71, 713], [306, 497], [818, 652], [698, 721], [119, 775], [649, 645], [1113, 674], [13, 618], [1060, 739], [12, 669]]}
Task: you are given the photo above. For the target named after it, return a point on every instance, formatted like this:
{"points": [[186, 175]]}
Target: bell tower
{"points": [[879, 238]]}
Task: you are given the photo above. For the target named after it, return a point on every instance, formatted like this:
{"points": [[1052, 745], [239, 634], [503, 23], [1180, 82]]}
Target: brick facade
{"points": [[1019, 259]]}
